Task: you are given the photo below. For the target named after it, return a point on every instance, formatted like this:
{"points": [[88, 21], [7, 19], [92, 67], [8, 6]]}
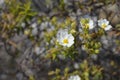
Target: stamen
{"points": [[103, 26], [65, 41]]}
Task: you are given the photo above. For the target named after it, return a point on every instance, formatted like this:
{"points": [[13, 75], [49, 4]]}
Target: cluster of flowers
{"points": [[67, 40]]}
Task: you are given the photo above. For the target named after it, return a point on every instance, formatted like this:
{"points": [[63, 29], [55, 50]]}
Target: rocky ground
{"points": [[31, 59]]}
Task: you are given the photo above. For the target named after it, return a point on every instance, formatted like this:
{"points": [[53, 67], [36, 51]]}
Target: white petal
{"points": [[76, 77], [64, 44], [91, 27], [62, 34], [60, 40], [91, 24], [34, 25], [105, 21], [70, 36], [108, 27], [70, 44]]}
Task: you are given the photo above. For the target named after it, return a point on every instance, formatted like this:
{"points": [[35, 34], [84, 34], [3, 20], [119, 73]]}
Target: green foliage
{"points": [[62, 5], [90, 40], [57, 74], [87, 71], [108, 1], [17, 12]]}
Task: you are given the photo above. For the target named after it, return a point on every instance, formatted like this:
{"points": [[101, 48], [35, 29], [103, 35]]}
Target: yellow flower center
{"points": [[86, 26], [104, 26], [65, 41]]}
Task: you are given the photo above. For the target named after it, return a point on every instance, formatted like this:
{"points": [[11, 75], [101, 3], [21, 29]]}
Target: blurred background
{"points": [[25, 26]]}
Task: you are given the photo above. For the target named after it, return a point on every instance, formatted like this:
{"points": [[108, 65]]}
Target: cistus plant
{"points": [[83, 72], [88, 37], [67, 40]]}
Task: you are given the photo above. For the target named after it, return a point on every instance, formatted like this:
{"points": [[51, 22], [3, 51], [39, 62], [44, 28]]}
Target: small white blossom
{"points": [[37, 50], [64, 38], [75, 77], [76, 65], [87, 23], [103, 23], [34, 25]]}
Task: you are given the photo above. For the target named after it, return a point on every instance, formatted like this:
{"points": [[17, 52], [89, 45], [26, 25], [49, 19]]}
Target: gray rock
{"points": [[1, 3]]}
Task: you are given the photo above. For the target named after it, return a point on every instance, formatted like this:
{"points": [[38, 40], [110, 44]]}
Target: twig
{"points": [[24, 55]]}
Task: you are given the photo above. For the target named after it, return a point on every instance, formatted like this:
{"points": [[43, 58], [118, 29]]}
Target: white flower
{"points": [[75, 77], [103, 23], [64, 38], [87, 23], [37, 50]]}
